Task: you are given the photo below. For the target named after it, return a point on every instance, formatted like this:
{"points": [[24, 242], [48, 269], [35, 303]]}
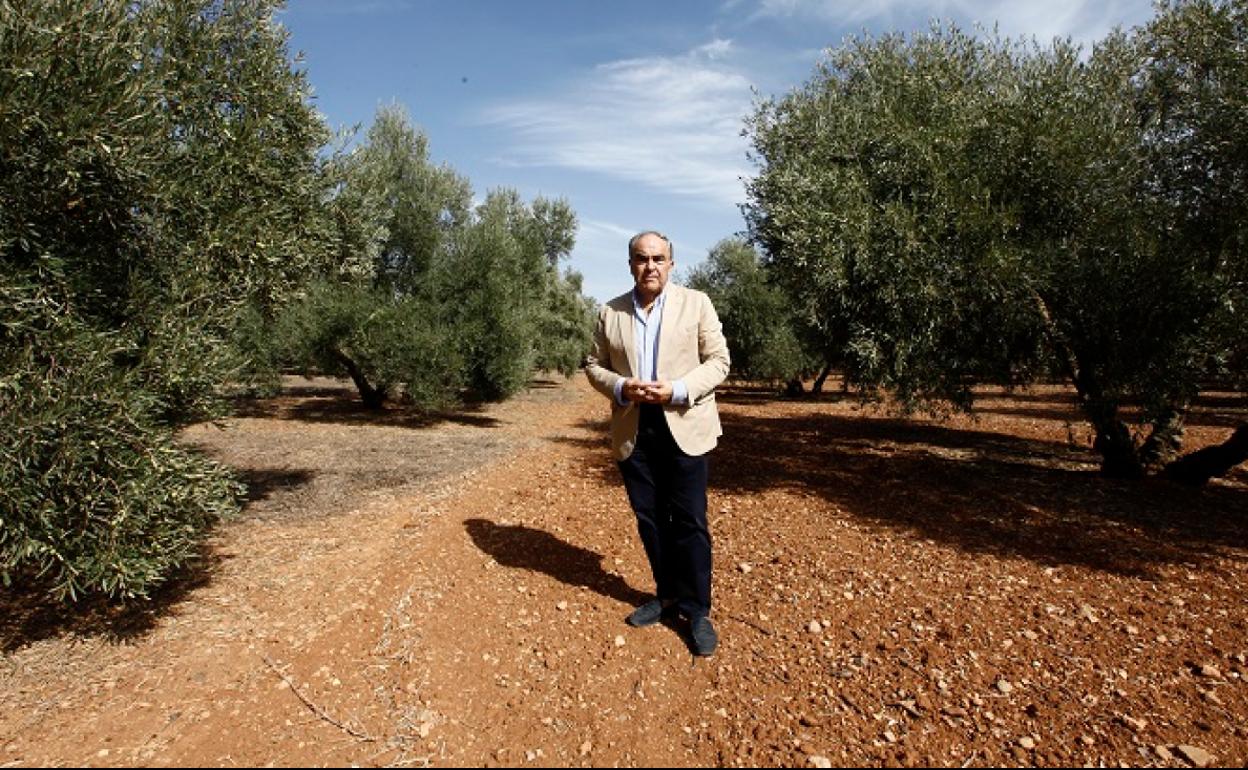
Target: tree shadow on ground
{"points": [[331, 405], [28, 614], [521, 547], [332, 400], [263, 483], [981, 491]]}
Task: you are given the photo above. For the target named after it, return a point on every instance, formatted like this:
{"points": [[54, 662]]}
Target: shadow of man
{"points": [[521, 547]]}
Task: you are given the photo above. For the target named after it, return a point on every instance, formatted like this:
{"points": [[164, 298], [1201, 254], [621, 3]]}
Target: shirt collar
{"points": [[658, 301]]}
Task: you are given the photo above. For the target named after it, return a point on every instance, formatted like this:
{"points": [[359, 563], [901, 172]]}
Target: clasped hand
{"points": [[647, 392]]}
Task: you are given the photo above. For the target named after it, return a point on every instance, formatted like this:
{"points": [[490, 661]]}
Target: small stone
{"points": [[1136, 725], [619, 641], [1030, 635], [1163, 753], [721, 712], [1197, 756], [817, 760], [814, 627], [102, 753], [953, 711], [561, 606], [1004, 687], [1132, 630], [1087, 740], [1027, 742], [1211, 672], [1087, 613], [1212, 697], [586, 747], [889, 737], [745, 567]]}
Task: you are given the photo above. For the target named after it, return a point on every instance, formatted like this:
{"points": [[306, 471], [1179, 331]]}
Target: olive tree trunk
{"points": [[1198, 467]]}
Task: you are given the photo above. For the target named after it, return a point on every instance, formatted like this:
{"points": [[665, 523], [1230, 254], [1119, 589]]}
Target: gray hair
{"points": [[671, 252]]}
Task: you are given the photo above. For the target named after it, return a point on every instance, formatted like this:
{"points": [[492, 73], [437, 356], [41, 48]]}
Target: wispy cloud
{"points": [[671, 123], [1082, 20]]}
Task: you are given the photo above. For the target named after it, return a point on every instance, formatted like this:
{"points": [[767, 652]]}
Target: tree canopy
{"points": [[160, 167], [758, 320], [455, 299], [169, 209], [959, 210]]}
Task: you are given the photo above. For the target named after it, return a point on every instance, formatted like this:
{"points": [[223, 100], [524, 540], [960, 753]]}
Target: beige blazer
{"points": [[691, 348]]}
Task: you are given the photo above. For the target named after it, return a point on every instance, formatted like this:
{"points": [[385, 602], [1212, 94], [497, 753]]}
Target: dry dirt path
{"points": [[453, 593]]}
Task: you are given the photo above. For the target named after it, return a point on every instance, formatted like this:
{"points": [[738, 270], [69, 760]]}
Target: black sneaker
{"points": [[705, 640], [647, 614]]}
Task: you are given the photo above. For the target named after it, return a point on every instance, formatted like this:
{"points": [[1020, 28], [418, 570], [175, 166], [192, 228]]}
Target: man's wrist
{"points": [[680, 393]]}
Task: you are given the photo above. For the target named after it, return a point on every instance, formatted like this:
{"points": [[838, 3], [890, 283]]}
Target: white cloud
{"points": [[1082, 20], [671, 123]]}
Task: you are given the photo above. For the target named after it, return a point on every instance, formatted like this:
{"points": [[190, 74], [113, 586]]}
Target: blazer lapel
{"points": [[628, 337], [668, 329]]}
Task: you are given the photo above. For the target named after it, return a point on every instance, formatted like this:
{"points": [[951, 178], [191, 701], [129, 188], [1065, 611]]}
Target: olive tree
{"points": [[964, 211], [758, 319], [159, 166], [454, 300]]}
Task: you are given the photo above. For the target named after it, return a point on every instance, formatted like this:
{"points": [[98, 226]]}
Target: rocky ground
{"points": [[404, 591]]}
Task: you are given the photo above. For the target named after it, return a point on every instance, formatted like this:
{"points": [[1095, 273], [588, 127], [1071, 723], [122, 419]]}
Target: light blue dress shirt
{"points": [[646, 334]]}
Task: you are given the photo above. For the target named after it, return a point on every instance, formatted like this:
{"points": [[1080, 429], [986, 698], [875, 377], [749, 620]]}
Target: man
{"points": [[659, 351]]}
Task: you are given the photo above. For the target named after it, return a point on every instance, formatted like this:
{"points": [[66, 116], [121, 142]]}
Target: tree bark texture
{"points": [[817, 387], [373, 397]]}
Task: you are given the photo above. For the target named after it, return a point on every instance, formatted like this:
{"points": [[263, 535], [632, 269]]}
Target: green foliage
{"points": [[160, 169], [496, 282], [454, 298], [1194, 97], [757, 316], [95, 496], [385, 343], [960, 211], [421, 203], [565, 324], [876, 214]]}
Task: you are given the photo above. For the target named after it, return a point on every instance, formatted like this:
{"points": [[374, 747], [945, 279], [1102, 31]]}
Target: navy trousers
{"points": [[667, 489]]}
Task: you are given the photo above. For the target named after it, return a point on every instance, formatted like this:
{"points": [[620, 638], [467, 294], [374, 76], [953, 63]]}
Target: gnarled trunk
{"points": [[1119, 457], [1165, 440], [373, 397], [817, 387], [1197, 468]]}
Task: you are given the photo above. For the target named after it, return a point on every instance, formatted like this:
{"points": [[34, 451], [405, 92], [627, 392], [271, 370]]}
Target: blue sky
{"points": [[631, 111]]}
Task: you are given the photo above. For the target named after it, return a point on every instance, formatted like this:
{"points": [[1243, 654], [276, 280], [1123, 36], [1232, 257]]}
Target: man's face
{"points": [[651, 263]]}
